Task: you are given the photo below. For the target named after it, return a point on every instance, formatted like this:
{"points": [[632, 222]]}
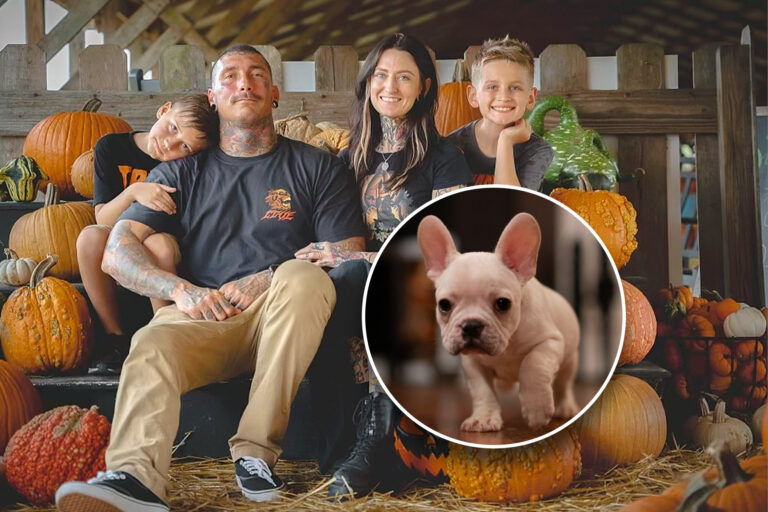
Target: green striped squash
{"points": [[21, 177]]}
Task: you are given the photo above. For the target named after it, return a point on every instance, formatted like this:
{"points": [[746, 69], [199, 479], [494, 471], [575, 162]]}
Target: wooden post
{"points": [[641, 66], [563, 68], [35, 15], [713, 272], [182, 68], [738, 167], [335, 68], [22, 67], [103, 68], [275, 62]]}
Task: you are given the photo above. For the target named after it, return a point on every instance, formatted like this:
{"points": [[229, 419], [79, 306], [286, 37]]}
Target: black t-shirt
{"points": [[384, 209], [117, 163], [237, 216], [531, 157]]}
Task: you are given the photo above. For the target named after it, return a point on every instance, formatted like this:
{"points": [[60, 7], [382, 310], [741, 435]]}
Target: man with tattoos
{"points": [[241, 302]]}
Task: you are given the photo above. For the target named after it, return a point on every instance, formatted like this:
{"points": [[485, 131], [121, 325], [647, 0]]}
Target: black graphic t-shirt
{"points": [[117, 163], [237, 216], [384, 209], [531, 157]]}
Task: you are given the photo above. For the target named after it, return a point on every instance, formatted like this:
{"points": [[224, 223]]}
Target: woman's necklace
{"points": [[385, 165]]}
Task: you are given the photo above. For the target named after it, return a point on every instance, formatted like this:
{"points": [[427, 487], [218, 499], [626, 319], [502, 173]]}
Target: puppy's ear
{"points": [[436, 245], [518, 246]]}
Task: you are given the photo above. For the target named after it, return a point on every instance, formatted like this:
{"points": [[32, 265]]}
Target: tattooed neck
{"points": [[392, 135], [252, 140]]}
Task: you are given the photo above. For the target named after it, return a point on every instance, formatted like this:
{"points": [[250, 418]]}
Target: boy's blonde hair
{"points": [[512, 50]]}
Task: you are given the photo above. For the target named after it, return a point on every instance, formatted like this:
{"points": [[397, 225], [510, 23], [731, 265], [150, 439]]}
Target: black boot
{"points": [[371, 456]]}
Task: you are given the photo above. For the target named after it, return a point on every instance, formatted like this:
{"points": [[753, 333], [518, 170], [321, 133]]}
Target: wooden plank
{"points": [[22, 67], [173, 17], [148, 59], [137, 23], [275, 63], [609, 112], [738, 165], [709, 187], [70, 26], [107, 20], [103, 68], [336, 68], [182, 68], [267, 22], [310, 37], [226, 26], [10, 148], [76, 46], [35, 18], [563, 67], [641, 66]]}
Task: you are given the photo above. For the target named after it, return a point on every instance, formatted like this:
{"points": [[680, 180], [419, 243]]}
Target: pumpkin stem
{"points": [[727, 466], [92, 105], [44, 266], [584, 183], [51, 195], [719, 415], [703, 407], [461, 71], [11, 254]]}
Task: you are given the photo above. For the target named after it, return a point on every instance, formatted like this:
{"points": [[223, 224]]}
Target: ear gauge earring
{"points": [[274, 103], [213, 107]]}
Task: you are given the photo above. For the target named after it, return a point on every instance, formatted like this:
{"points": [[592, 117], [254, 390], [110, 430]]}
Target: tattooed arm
{"points": [[332, 254], [129, 263], [242, 292]]}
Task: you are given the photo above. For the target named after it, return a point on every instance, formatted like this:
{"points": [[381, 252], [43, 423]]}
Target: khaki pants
{"points": [[275, 338]]}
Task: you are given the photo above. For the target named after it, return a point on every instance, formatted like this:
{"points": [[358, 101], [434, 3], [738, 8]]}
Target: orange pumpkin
{"points": [[421, 451], [640, 330], [46, 326], [611, 215], [720, 310], [53, 229], [453, 108], [624, 425], [56, 141], [82, 174], [19, 402], [721, 359], [674, 302]]}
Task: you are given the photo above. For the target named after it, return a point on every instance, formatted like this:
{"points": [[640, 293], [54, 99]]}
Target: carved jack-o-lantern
{"points": [[421, 451]]}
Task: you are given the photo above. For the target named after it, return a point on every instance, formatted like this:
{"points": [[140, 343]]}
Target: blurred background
{"points": [[400, 307]]}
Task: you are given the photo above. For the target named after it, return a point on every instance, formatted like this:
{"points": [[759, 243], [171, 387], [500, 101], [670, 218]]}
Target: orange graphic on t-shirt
{"points": [[131, 175], [279, 201], [483, 179]]}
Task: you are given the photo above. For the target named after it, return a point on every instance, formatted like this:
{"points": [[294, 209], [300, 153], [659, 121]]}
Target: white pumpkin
{"points": [[757, 422], [746, 322], [721, 427], [16, 271]]}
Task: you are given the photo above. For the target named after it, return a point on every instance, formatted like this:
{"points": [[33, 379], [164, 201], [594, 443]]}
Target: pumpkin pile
{"points": [[715, 346], [324, 135], [63, 444]]}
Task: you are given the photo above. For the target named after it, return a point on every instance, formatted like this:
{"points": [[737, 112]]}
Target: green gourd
{"points": [[21, 176]]}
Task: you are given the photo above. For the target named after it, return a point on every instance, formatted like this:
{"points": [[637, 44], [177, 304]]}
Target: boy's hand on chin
{"points": [[519, 131]]}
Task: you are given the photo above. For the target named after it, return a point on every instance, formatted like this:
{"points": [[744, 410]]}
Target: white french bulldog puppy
{"points": [[507, 326]]}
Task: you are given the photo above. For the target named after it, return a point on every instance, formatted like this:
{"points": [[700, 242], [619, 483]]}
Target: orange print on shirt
{"points": [[131, 175], [279, 201], [483, 179]]}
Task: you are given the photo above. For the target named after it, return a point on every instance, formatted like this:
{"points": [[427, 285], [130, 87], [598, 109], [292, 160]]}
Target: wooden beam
{"points": [[70, 26], [267, 22], [311, 37], [229, 24], [170, 37], [172, 17], [35, 17], [137, 23]]}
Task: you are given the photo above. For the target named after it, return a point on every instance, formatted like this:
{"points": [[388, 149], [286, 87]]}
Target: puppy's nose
{"points": [[472, 329]]}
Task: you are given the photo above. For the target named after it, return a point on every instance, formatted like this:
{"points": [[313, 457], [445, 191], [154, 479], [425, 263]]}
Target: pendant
{"points": [[384, 166]]}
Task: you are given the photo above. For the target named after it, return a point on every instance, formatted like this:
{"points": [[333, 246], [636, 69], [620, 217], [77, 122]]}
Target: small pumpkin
{"points": [[611, 215], [721, 359], [421, 451], [82, 174], [758, 419], [53, 229], [19, 401], [673, 356], [720, 427], [749, 349], [721, 309], [746, 322], [752, 372], [20, 177], [297, 127], [332, 140], [46, 326], [640, 331], [626, 423], [15, 271], [528, 473], [69, 442], [56, 141]]}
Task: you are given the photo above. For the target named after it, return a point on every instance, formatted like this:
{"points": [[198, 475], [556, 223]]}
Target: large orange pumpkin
{"points": [[46, 326], [63, 444], [453, 108], [624, 425], [53, 229], [611, 215], [640, 330], [529, 473], [19, 401], [56, 141]]}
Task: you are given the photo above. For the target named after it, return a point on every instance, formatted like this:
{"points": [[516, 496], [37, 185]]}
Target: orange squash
{"points": [[640, 330], [453, 108], [82, 174], [19, 401], [53, 229], [46, 326], [56, 141]]}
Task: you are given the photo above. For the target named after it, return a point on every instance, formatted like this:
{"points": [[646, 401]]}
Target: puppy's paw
{"points": [[538, 415], [567, 408], [486, 422]]}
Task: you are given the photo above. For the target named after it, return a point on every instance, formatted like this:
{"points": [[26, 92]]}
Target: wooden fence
{"points": [[719, 110]]}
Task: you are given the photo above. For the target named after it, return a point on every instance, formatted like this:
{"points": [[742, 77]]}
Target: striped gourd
{"points": [[21, 176]]}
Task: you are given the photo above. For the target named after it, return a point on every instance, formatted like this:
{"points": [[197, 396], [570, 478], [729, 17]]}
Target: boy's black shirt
{"points": [[118, 162]]}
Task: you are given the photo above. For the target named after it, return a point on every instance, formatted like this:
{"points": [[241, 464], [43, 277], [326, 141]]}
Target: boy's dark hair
{"points": [[509, 49], [240, 48], [194, 111]]}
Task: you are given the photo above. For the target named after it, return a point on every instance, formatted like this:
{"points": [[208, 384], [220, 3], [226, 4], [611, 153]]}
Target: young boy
{"points": [[121, 163], [500, 147]]}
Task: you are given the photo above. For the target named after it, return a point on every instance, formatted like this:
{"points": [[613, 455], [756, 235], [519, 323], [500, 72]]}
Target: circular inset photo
{"points": [[493, 316]]}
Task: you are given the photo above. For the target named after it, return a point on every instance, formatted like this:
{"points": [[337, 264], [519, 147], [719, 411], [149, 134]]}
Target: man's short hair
{"points": [[512, 50], [239, 49]]}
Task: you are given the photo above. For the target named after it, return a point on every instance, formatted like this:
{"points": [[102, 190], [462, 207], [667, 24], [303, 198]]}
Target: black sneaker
{"points": [[362, 472], [109, 354], [256, 480], [111, 491]]}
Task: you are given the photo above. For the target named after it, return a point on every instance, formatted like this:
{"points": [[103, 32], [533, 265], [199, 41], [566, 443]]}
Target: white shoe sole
{"points": [[265, 495], [83, 497]]}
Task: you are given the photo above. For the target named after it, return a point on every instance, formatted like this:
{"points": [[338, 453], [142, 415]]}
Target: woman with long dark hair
{"points": [[400, 162]]}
